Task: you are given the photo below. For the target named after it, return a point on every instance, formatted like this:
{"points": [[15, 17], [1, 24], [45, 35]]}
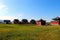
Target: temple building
{"points": [[41, 22], [56, 21]]}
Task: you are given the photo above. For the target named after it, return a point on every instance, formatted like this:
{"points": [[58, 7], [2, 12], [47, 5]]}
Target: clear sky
{"points": [[29, 9]]}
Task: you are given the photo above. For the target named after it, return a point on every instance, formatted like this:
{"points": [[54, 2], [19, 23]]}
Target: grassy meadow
{"points": [[29, 32]]}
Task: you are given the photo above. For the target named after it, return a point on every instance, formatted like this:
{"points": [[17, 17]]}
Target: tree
{"points": [[24, 21], [32, 21], [16, 21], [7, 21]]}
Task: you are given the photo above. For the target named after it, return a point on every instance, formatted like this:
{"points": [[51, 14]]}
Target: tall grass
{"points": [[29, 32]]}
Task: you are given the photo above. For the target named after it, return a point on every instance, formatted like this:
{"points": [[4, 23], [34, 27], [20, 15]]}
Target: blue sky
{"points": [[29, 9]]}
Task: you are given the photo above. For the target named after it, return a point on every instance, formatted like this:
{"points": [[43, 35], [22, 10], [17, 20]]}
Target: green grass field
{"points": [[29, 32]]}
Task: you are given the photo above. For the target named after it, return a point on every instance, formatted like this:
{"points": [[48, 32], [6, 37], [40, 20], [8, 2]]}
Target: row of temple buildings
{"points": [[55, 21]]}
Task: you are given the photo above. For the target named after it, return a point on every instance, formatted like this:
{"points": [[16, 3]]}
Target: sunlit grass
{"points": [[29, 32]]}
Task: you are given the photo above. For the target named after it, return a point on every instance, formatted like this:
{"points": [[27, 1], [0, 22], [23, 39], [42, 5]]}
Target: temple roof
{"points": [[57, 18], [40, 20]]}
